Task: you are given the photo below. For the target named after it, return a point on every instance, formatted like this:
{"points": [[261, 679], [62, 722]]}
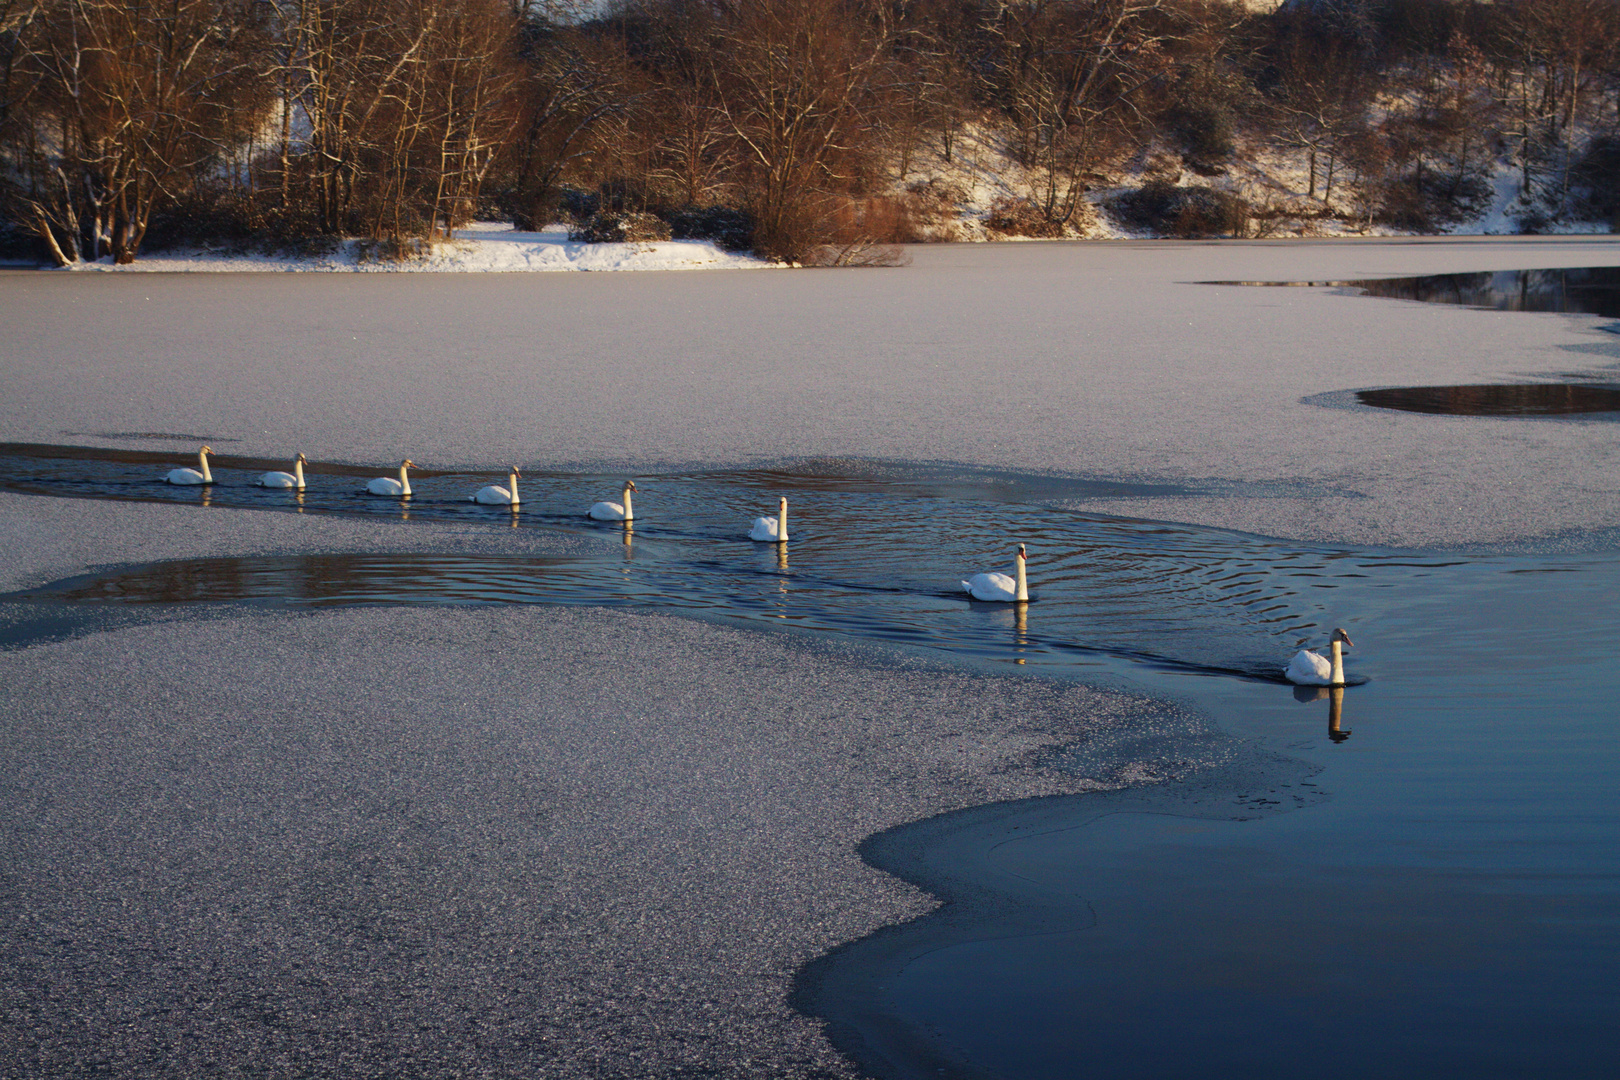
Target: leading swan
{"points": [[1313, 669], [387, 485], [612, 511], [1000, 586], [192, 476], [294, 479], [500, 496], [771, 530]]}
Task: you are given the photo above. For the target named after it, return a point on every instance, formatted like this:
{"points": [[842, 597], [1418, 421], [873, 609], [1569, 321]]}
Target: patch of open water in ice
{"points": [[1571, 291], [1497, 399]]}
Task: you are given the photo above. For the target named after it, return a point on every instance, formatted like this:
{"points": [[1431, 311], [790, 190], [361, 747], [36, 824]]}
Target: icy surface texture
{"points": [[1091, 360]]}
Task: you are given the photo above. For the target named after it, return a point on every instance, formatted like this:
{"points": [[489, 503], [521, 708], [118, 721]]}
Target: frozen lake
{"points": [[1423, 882]]}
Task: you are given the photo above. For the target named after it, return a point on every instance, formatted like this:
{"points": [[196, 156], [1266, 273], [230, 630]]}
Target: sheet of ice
{"points": [[481, 842], [1100, 360], [483, 247]]}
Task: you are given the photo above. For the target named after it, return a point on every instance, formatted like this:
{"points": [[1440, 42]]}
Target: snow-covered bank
{"points": [[483, 247]]}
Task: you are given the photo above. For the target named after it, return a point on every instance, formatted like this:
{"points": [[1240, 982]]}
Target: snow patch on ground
{"points": [[953, 199], [483, 247]]}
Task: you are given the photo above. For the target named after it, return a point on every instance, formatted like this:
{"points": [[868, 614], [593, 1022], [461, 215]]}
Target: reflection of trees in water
{"points": [[1585, 290]]}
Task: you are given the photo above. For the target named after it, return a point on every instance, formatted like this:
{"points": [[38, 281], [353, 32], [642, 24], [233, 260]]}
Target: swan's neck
{"points": [[404, 480], [1337, 678], [628, 512], [1023, 582], [208, 477], [512, 479], [781, 521], [298, 472]]}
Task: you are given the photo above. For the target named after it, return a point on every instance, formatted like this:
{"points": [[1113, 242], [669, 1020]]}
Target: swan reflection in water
{"points": [[781, 561], [1335, 696], [1019, 618]]}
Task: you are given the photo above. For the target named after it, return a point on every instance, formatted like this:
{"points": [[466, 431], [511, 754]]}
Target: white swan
{"points": [[1000, 586], [294, 479], [612, 511], [387, 485], [1313, 669], [192, 476], [500, 496], [771, 530]]}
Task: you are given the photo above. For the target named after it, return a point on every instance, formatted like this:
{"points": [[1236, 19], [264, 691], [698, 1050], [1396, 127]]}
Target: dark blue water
{"points": [[1426, 882], [1587, 290], [1446, 902]]}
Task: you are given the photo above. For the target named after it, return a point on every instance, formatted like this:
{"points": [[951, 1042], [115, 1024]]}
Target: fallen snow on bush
{"points": [[482, 247]]}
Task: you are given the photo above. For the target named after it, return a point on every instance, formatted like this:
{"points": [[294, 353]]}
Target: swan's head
{"points": [[1021, 554], [515, 470], [407, 464], [1340, 635], [206, 450], [629, 485], [302, 458]]}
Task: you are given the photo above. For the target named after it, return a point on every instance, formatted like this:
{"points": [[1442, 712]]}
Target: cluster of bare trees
{"points": [[398, 119]]}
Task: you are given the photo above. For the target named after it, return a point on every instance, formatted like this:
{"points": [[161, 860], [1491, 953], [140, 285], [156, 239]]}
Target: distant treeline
{"points": [[788, 126]]}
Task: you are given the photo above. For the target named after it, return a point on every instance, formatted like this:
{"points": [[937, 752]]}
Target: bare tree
{"points": [[1071, 76], [795, 81], [136, 98]]}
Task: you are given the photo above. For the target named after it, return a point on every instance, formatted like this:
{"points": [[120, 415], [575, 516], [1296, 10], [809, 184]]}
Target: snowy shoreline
{"points": [[483, 247]]}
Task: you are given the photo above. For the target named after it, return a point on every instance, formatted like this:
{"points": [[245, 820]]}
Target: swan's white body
{"points": [[494, 495], [387, 485], [1309, 668], [192, 476], [772, 530], [1000, 586], [294, 479], [612, 511]]}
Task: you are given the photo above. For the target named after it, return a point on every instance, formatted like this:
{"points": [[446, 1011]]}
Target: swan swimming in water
{"points": [[612, 511], [294, 479], [771, 530], [192, 476], [1000, 586], [387, 485], [500, 496], [1313, 669]]}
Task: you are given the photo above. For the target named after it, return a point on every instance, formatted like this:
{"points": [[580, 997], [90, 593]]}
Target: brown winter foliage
{"points": [[789, 126]]}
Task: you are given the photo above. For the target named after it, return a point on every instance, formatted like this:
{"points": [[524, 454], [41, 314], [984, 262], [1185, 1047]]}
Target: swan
{"points": [[1313, 669], [387, 485], [192, 476], [1000, 586], [771, 530], [500, 496], [294, 479], [612, 511]]}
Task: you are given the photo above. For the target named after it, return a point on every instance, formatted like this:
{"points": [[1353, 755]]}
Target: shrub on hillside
{"points": [[1165, 209], [1021, 217], [1597, 173], [607, 227], [1206, 136], [723, 226]]}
